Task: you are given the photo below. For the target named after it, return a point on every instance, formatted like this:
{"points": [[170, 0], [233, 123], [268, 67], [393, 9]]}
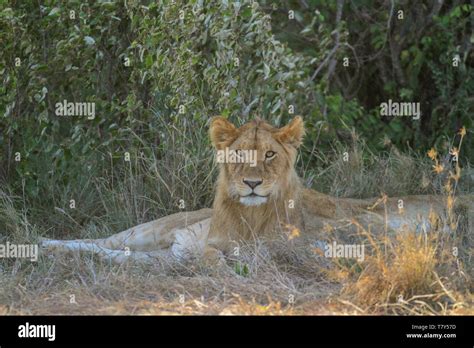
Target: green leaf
{"points": [[148, 61], [55, 11], [241, 269], [89, 40]]}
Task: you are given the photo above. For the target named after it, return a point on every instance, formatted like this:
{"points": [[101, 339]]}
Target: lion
{"points": [[264, 199]]}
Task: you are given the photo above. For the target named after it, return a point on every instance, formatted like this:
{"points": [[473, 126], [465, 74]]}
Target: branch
{"points": [[340, 4]]}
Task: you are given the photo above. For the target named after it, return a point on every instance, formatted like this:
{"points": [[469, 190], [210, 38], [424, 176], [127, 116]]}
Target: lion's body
{"points": [[262, 201]]}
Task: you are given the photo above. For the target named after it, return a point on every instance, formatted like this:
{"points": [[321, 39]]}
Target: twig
{"points": [[340, 5]]}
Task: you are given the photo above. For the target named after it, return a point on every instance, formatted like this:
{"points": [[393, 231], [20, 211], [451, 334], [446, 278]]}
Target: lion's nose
{"points": [[252, 183]]}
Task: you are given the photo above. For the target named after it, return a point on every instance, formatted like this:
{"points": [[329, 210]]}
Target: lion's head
{"points": [[257, 159]]}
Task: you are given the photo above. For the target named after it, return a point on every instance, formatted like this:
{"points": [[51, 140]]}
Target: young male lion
{"points": [[263, 199]]}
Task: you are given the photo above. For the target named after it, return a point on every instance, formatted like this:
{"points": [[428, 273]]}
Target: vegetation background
{"points": [[158, 70]]}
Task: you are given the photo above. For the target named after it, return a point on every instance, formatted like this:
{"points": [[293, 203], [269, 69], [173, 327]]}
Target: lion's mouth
{"points": [[253, 199], [253, 194]]}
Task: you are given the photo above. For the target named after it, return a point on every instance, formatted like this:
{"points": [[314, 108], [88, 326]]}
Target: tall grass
{"points": [[412, 274], [416, 272]]}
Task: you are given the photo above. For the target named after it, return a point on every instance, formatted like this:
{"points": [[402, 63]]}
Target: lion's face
{"points": [[257, 159]]}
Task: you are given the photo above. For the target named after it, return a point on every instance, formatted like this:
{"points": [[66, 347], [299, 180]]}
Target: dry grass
{"points": [[416, 272], [99, 287], [413, 273]]}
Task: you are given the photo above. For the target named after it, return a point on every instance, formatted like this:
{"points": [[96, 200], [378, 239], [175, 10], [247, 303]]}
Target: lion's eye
{"points": [[270, 154]]}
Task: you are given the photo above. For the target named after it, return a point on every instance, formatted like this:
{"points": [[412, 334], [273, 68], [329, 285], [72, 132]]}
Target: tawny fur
{"points": [[288, 205]]}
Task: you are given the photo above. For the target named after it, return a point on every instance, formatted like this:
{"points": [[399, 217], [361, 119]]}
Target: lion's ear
{"points": [[222, 132], [292, 133]]}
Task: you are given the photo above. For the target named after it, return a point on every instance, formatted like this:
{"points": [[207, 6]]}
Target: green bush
{"points": [[156, 74], [403, 56]]}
